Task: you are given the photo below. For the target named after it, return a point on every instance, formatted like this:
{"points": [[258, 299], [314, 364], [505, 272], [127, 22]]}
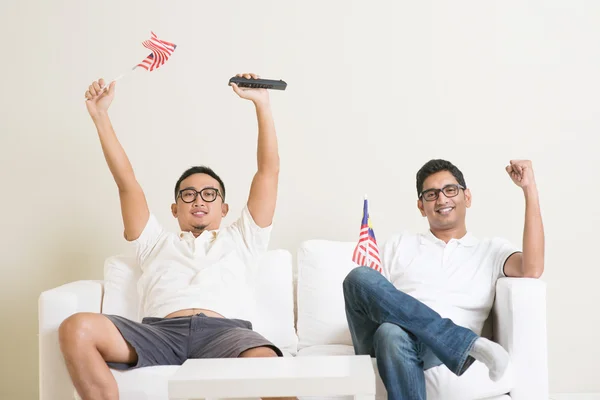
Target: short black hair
{"points": [[434, 166], [201, 169]]}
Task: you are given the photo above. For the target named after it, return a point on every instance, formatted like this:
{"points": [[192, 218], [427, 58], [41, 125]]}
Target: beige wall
{"points": [[375, 90]]}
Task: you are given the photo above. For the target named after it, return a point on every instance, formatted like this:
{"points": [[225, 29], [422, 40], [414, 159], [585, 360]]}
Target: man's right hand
{"points": [[97, 99]]}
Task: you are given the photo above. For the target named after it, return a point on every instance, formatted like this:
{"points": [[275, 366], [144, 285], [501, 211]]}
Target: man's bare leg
{"points": [[265, 352], [88, 341]]}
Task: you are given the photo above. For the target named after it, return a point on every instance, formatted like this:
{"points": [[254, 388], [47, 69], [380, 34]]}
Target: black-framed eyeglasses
{"points": [[207, 194], [451, 190]]}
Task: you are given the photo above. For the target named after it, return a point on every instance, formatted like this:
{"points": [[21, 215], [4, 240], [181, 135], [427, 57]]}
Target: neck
{"points": [[197, 230], [450, 233]]}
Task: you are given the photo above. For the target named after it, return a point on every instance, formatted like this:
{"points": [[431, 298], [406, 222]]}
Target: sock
{"points": [[492, 355]]}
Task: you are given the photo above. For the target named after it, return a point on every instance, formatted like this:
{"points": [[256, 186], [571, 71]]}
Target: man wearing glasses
{"points": [[437, 289], [194, 288]]}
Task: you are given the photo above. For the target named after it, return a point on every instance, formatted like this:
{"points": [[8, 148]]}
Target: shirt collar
{"points": [[468, 240], [189, 236]]}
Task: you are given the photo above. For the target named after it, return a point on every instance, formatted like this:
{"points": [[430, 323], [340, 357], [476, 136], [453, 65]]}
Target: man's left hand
{"points": [[257, 96], [521, 173]]}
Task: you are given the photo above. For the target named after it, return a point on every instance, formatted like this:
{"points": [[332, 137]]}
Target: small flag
{"points": [[366, 252], [161, 51]]}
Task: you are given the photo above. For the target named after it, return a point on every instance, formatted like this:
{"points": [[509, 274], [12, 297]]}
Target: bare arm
{"points": [[263, 191], [134, 208], [530, 263]]}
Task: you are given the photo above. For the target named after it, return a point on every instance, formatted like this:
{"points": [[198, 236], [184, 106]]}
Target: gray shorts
{"points": [[171, 341]]}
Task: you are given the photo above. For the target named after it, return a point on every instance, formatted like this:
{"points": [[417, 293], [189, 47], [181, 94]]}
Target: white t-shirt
{"points": [[213, 271], [457, 279]]}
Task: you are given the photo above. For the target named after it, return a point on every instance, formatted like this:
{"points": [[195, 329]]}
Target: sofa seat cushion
{"points": [[148, 383]]}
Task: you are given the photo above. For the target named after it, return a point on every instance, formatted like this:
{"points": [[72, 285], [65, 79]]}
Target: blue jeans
{"points": [[406, 336]]}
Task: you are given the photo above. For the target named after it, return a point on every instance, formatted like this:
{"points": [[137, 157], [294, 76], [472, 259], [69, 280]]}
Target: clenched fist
{"points": [[98, 99], [521, 173]]}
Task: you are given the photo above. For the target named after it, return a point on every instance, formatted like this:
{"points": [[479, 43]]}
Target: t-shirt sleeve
{"points": [[501, 250], [255, 239], [145, 244]]}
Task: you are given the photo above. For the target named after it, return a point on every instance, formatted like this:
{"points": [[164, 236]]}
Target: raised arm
{"points": [[263, 192], [134, 208], [530, 263]]}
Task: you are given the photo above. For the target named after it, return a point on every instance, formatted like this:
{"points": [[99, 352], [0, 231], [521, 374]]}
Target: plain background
{"points": [[376, 89]]}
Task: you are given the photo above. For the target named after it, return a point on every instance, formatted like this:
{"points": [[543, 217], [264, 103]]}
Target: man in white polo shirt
{"points": [[196, 284], [437, 288]]}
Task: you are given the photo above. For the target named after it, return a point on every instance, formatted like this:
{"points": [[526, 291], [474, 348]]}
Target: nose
{"points": [[442, 198], [198, 201]]}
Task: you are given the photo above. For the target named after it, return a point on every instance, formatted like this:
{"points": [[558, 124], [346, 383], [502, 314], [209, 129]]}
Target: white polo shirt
{"points": [[213, 271], [457, 279]]}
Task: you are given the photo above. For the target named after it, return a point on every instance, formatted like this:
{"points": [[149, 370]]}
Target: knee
{"points": [[357, 277], [360, 281], [74, 331], [392, 340], [259, 352]]}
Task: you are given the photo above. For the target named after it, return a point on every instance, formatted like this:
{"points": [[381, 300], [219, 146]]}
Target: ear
{"points": [[224, 209], [468, 198], [174, 210], [420, 207]]}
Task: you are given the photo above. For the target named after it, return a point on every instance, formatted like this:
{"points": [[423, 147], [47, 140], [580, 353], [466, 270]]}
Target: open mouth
{"points": [[199, 214], [444, 210]]}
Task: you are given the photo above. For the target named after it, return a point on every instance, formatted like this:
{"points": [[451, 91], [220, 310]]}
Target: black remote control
{"points": [[259, 83]]}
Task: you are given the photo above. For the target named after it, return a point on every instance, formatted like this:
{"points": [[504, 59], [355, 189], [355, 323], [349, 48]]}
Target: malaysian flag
{"points": [[367, 252], [161, 51]]}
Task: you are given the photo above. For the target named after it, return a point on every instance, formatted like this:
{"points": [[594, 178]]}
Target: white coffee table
{"points": [[274, 377]]}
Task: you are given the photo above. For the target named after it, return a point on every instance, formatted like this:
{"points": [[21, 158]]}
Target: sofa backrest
{"points": [[274, 295], [322, 266]]}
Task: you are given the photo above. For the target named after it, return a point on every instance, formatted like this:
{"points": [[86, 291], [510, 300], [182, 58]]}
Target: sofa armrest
{"points": [[54, 306], [520, 327]]}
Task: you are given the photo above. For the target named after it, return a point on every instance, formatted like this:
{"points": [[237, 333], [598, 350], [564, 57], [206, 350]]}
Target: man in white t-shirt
{"points": [[437, 288], [196, 285]]}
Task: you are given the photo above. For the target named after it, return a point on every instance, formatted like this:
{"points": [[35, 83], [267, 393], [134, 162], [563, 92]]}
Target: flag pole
{"points": [[116, 79], [120, 76], [367, 243]]}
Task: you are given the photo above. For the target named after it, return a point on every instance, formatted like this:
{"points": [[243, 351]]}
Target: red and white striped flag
{"points": [[366, 252], [161, 51]]}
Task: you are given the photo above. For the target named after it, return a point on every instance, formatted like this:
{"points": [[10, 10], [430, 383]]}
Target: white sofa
{"points": [[518, 322]]}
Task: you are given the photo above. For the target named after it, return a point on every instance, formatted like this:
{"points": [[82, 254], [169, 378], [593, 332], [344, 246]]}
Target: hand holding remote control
{"points": [[257, 95], [256, 83]]}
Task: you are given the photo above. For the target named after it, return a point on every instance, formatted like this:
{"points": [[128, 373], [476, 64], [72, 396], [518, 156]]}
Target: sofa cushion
{"points": [[274, 295], [440, 382], [148, 383], [121, 274], [322, 267], [274, 318]]}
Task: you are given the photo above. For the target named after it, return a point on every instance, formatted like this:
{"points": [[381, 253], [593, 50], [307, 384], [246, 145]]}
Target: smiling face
{"points": [[206, 210], [448, 211]]}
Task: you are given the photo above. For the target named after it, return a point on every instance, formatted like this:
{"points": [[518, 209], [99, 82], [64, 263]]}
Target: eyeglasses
{"points": [[207, 194], [433, 194]]}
